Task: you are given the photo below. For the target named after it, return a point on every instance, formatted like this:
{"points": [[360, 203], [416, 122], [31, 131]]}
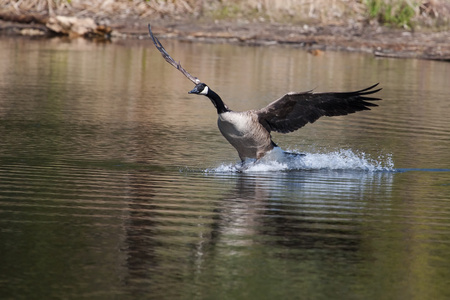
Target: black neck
{"points": [[218, 103]]}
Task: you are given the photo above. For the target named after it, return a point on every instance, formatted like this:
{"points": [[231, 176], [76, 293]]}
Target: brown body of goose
{"points": [[249, 131]]}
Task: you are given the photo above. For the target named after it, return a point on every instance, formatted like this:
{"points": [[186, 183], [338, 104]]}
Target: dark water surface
{"points": [[116, 184]]}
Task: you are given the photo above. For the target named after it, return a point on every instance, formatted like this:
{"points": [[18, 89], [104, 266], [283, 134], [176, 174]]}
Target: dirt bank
{"points": [[381, 41], [358, 36]]}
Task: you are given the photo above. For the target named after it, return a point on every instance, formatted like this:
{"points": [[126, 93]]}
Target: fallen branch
{"points": [[25, 19], [71, 26], [411, 55]]}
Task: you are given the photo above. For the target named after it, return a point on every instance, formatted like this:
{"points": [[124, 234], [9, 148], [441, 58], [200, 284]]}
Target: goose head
{"points": [[203, 89], [200, 89]]}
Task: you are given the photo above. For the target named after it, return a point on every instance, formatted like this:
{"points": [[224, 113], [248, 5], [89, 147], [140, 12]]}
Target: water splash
{"points": [[279, 160]]}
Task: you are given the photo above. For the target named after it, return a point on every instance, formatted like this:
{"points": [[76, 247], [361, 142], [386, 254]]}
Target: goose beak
{"points": [[194, 91]]}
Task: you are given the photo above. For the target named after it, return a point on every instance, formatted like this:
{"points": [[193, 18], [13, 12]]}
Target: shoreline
{"points": [[378, 40], [357, 37]]}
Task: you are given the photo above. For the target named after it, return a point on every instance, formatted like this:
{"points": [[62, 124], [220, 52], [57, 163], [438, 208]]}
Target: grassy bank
{"points": [[395, 13]]}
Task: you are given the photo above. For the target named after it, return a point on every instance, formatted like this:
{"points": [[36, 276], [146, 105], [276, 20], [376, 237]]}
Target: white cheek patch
{"points": [[205, 91]]}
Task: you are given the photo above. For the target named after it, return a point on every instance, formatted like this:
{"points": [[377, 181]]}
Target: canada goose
{"points": [[249, 131]]}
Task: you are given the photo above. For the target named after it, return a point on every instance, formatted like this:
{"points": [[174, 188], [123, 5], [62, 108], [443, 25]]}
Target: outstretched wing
{"points": [[295, 110], [169, 59]]}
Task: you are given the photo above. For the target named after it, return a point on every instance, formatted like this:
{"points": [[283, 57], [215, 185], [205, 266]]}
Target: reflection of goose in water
{"points": [[249, 131], [302, 210]]}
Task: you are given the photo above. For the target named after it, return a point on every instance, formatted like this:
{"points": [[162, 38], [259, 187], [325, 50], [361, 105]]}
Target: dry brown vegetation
{"points": [[100, 8], [430, 13]]}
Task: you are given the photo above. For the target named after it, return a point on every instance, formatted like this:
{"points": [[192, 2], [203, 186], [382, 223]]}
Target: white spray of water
{"points": [[277, 160]]}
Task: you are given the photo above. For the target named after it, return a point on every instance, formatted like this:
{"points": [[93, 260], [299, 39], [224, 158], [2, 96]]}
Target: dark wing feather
{"points": [[169, 58], [295, 110]]}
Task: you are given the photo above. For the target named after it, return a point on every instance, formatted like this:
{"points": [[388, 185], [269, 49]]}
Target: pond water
{"points": [[116, 184]]}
